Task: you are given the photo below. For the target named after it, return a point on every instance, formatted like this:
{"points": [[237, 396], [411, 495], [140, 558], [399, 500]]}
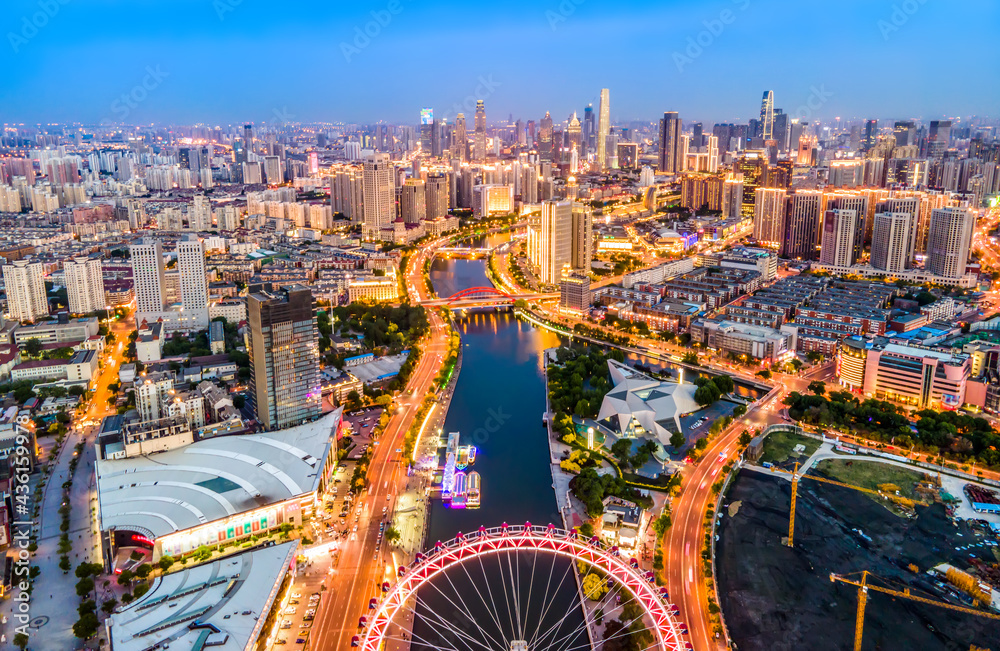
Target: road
{"points": [[363, 563], [685, 579]]}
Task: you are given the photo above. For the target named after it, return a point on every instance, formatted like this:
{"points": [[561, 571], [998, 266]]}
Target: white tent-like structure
{"points": [[644, 406]]}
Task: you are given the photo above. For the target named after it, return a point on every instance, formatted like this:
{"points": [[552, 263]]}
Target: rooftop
{"points": [[222, 605], [213, 479]]}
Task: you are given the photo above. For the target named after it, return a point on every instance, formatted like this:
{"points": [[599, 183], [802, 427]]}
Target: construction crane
{"points": [[863, 588], [795, 491]]}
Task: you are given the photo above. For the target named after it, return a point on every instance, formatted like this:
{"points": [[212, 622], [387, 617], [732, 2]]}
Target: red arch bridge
{"points": [[622, 573], [484, 295]]}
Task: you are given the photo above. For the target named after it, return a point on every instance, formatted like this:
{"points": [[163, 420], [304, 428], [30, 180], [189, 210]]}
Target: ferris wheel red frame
{"points": [[513, 538]]}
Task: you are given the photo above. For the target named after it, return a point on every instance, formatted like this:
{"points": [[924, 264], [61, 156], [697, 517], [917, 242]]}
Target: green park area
{"points": [[779, 447], [871, 475]]}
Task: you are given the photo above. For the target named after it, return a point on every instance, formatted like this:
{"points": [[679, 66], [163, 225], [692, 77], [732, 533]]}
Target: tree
{"points": [[724, 383], [690, 358], [392, 535], [109, 606], [677, 440], [745, 439], [706, 394], [739, 410], [239, 400], [621, 450], [814, 356], [21, 641], [817, 387], [33, 347], [85, 586], [125, 577], [166, 562], [594, 587], [86, 627], [765, 374], [144, 570]]}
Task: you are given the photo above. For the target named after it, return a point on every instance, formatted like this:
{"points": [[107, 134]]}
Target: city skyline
{"points": [[170, 75]]}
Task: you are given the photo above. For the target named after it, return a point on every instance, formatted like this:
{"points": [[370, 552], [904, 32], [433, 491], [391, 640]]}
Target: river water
{"points": [[497, 406]]}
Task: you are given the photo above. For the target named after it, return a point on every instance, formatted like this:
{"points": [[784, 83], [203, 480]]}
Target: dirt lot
{"points": [[775, 598]]}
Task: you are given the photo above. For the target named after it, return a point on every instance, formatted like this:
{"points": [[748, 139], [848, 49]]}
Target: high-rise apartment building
{"points": [[149, 278], [437, 195], [193, 284], [948, 241], [285, 385], [891, 241], [378, 194], [25, 284], [346, 192], [84, 285], [858, 202], [583, 236], [801, 225], [603, 128], [837, 245], [752, 166], [670, 143], [769, 215]]}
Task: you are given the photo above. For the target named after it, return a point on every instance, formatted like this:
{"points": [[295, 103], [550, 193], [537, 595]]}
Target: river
{"points": [[497, 406]]}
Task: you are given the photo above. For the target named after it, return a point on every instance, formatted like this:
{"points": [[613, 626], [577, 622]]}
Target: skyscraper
{"points": [[948, 241], [545, 138], [890, 242], [378, 194], [413, 201], [837, 246], [84, 285], [905, 132], [938, 138], [461, 139], [871, 134], [769, 215], [285, 385], [25, 284], [603, 128], [583, 236], [767, 115], [670, 143], [479, 136], [426, 131], [553, 241], [589, 130]]}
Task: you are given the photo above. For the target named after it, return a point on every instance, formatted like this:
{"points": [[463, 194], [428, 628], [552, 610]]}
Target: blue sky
{"points": [[229, 61]]}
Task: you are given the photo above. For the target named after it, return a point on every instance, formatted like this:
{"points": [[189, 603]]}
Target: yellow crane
{"points": [[863, 588], [795, 491]]}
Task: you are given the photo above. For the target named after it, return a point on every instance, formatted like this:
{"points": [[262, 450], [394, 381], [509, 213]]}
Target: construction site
{"points": [[870, 557]]}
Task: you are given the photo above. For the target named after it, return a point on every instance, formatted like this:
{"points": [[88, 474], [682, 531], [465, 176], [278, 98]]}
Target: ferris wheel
{"points": [[517, 588]]}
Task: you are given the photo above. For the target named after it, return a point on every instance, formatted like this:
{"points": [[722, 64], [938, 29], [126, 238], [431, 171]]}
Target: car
{"points": [[296, 595], [301, 640], [281, 640], [286, 624], [355, 528], [722, 457], [290, 610], [294, 602]]}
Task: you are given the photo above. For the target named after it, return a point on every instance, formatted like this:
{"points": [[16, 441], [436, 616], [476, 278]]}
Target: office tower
{"points": [[574, 135], [753, 168], [479, 137], [589, 129], [905, 132], [84, 285], [767, 115], [378, 194], [938, 138], [891, 241], [948, 240], [529, 185], [769, 215], [781, 130], [252, 174], [732, 196], [628, 156], [148, 273], [193, 284], [801, 225], [837, 245], [698, 135], [670, 143], [248, 138], [603, 128], [551, 246], [25, 284], [437, 194], [461, 138], [426, 131], [413, 201], [574, 291], [545, 145], [583, 236], [871, 134], [285, 385]]}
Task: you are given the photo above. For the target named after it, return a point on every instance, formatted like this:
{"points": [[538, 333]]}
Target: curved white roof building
{"points": [[643, 405]]}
